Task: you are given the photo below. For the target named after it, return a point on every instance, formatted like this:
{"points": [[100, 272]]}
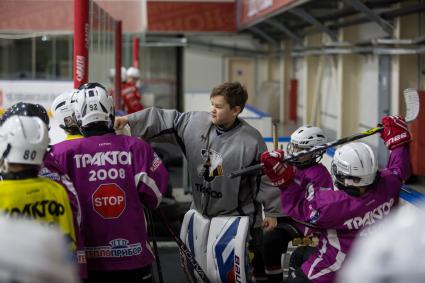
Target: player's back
{"points": [[40, 199], [111, 174]]}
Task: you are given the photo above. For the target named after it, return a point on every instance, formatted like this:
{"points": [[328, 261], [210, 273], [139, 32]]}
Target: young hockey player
{"points": [[112, 75], [311, 173], [50, 169], [133, 76], [215, 143], [116, 177], [63, 112], [130, 91], [23, 143], [361, 196], [393, 253]]}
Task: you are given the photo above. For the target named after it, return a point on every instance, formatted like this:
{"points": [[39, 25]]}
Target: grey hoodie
{"points": [[211, 155]]}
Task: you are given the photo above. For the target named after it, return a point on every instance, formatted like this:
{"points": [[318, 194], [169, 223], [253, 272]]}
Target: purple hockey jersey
{"points": [[340, 217], [116, 177], [317, 176], [52, 170]]}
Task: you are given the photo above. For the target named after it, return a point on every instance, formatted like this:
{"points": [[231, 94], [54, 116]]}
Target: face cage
{"points": [[71, 126], [340, 177], [292, 148]]}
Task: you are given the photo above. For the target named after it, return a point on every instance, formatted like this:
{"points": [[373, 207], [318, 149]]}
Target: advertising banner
{"points": [[37, 92]]}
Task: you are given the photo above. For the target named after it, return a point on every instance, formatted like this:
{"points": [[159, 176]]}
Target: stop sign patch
{"points": [[109, 201]]}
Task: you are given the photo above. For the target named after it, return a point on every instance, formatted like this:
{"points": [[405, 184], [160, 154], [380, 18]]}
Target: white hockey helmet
{"points": [[63, 108], [23, 140], [123, 74], [94, 105], [354, 165], [34, 253], [394, 252], [308, 136], [133, 72]]}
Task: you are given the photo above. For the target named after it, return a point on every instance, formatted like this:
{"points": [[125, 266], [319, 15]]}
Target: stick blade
{"points": [[411, 98]]}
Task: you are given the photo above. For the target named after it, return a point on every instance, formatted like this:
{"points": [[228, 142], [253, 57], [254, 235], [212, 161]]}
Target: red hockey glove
{"points": [[395, 131], [279, 173]]}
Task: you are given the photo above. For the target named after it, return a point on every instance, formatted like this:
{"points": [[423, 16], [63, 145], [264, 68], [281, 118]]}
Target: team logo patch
{"points": [[81, 257], [314, 216], [116, 248], [155, 163], [109, 201], [212, 166], [44, 172], [208, 191]]}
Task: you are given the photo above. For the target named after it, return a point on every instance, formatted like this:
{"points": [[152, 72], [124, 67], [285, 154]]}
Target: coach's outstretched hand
{"points": [[120, 122]]}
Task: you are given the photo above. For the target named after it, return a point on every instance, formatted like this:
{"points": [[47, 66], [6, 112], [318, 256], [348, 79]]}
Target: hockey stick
{"points": [[151, 230], [411, 99], [275, 136], [184, 250]]}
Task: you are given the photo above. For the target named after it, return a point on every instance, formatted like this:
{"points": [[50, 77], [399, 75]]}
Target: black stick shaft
{"points": [[155, 246], [256, 168]]}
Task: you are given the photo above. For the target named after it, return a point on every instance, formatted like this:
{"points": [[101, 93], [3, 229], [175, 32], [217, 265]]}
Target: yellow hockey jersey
{"points": [[73, 137], [40, 199]]}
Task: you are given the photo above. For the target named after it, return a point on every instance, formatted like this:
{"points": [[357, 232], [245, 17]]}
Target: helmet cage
{"points": [[63, 109], [303, 138], [343, 179], [292, 148], [354, 165]]}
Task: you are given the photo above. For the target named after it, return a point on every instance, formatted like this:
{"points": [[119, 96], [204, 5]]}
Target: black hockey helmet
{"points": [[26, 109], [91, 85]]}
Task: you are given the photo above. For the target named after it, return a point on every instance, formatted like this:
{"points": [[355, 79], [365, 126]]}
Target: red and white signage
{"points": [[81, 42], [109, 201], [257, 10]]}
